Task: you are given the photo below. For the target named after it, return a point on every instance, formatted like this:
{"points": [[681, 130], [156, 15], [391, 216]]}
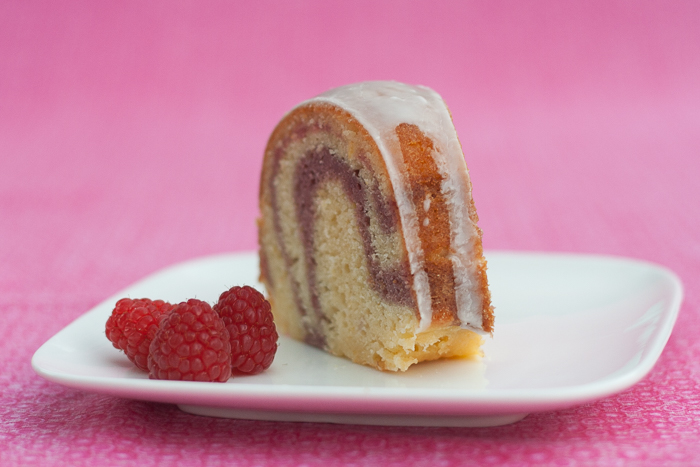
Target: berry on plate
{"points": [[191, 344], [248, 319], [133, 324]]}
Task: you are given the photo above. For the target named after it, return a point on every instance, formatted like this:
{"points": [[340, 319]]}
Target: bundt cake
{"points": [[369, 245]]}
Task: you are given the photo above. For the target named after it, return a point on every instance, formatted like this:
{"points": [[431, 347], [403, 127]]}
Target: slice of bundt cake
{"points": [[369, 246]]}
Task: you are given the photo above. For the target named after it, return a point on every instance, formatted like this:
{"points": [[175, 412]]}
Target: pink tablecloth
{"points": [[131, 137]]}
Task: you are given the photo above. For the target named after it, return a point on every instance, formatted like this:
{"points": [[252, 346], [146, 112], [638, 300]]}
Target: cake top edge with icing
{"points": [[386, 104]]}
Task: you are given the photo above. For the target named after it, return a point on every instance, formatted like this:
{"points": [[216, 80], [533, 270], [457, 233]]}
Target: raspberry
{"points": [[248, 318], [133, 324], [192, 344]]}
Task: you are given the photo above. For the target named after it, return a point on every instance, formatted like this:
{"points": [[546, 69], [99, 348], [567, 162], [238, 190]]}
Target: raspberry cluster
{"points": [[193, 341]]}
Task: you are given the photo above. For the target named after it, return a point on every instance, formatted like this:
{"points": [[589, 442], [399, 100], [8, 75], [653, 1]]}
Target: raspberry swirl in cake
{"points": [[369, 242]]}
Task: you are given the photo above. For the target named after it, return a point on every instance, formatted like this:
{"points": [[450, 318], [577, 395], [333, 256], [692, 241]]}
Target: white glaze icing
{"points": [[380, 106]]}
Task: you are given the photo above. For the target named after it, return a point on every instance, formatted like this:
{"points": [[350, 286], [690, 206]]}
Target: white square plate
{"points": [[570, 329]]}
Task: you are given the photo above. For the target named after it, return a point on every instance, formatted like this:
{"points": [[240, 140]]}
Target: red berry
{"points": [[133, 324], [248, 318], [192, 344]]}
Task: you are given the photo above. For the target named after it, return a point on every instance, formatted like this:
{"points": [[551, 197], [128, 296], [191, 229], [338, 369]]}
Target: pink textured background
{"points": [[131, 138]]}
